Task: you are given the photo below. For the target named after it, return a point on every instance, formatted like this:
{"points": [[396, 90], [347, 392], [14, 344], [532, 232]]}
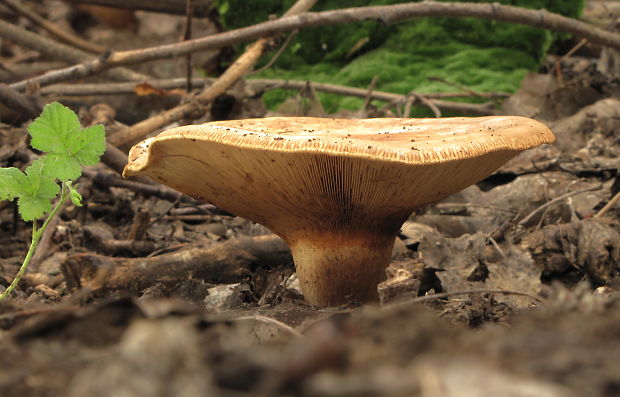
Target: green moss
{"points": [[481, 54]]}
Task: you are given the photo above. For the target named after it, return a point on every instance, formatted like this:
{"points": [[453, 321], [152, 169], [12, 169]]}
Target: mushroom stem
{"points": [[336, 269]]}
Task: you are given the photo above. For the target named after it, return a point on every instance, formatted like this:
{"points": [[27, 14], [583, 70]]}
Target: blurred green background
{"points": [[484, 55]]}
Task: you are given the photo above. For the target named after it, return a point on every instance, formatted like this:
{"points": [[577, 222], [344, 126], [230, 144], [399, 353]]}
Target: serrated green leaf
{"points": [[37, 191], [12, 182], [41, 185], [62, 167], [57, 131], [31, 208], [50, 131], [91, 145]]}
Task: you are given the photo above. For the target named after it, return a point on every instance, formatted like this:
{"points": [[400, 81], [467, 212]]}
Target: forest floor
{"points": [[529, 260]]}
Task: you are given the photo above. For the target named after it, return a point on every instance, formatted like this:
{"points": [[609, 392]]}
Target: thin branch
{"points": [[271, 84], [413, 97], [257, 84], [163, 192], [275, 57], [202, 8], [442, 295], [187, 35], [456, 85], [387, 14], [371, 88], [53, 28], [18, 102], [526, 219], [614, 200], [497, 247], [52, 49]]}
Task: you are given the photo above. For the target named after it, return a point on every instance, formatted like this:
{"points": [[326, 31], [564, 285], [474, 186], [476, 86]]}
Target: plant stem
{"points": [[37, 233]]}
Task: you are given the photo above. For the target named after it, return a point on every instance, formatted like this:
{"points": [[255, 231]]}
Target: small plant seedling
{"points": [[67, 147]]}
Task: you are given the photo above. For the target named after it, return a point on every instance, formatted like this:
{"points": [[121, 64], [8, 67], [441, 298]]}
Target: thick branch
{"points": [[226, 262], [389, 14]]}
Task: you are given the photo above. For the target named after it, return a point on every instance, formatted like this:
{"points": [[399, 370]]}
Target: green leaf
{"points": [[38, 190], [12, 182], [32, 208], [91, 145], [62, 167], [52, 129], [57, 131]]}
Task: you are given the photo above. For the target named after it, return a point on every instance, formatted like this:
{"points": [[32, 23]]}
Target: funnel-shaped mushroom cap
{"points": [[333, 183]]}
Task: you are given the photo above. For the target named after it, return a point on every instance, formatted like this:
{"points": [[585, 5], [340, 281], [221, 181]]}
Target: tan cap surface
{"points": [[413, 141], [319, 165]]}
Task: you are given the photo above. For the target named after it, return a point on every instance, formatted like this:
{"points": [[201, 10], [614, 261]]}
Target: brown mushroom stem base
{"points": [[334, 274]]}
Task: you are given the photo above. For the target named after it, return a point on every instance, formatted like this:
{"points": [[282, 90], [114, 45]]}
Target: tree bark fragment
{"points": [[227, 262]]}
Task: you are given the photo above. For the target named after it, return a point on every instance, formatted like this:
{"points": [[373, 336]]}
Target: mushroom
{"points": [[336, 190]]}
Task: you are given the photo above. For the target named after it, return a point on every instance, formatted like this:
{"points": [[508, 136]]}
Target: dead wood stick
{"points": [[110, 179], [272, 84], [202, 8], [413, 97], [52, 49], [187, 34], [226, 262], [482, 108], [527, 218], [614, 200], [11, 72], [257, 84], [138, 131], [387, 14], [18, 102], [443, 295], [54, 29], [277, 55], [456, 85]]}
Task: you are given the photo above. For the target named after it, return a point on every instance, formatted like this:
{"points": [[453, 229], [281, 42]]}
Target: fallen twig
{"points": [[271, 84], [53, 28], [443, 295], [256, 84], [56, 50], [187, 35], [387, 14], [110, 179], [614, 200], [18, 102], [226, 262], [456, 85], [527, 218], [202, 8], [275, 57], [413, 97]]}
